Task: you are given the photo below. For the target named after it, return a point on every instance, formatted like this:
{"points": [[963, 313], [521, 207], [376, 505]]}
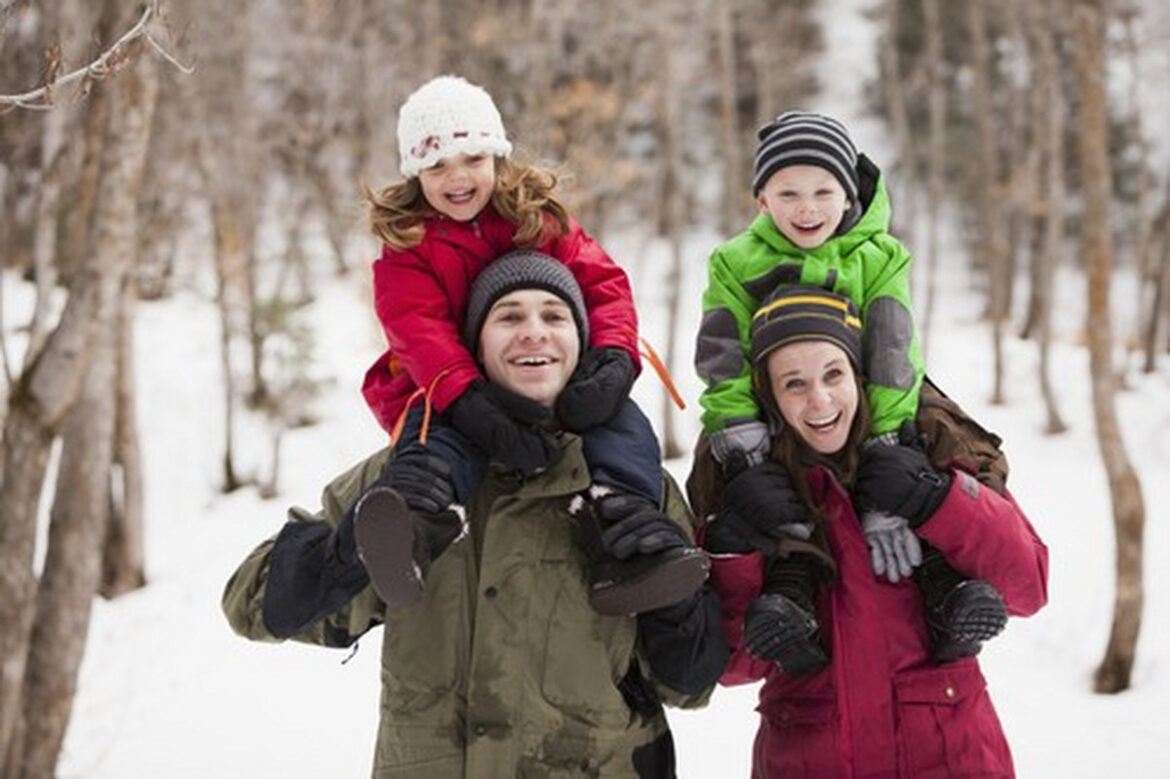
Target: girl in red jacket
{"points": [[463, 203], [881, 707]]}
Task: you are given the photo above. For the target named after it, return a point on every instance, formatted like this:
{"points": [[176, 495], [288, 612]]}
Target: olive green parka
{"points": [[502, 669]]}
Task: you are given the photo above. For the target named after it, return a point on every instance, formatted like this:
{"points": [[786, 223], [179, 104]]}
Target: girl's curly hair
{"points": [[524, 195]]}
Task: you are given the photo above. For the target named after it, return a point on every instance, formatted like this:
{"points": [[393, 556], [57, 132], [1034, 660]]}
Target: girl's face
{"points": [[814, 387], [529, 344], [459, 187], [806, 202]]}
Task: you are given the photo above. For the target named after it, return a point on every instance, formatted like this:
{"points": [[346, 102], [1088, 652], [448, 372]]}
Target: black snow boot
{"points": [[781, 625], [397, 544], [960, 613], [641, 582]]}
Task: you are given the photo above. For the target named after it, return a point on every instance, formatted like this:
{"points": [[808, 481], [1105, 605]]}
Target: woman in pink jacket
{"points": [[880, 707]]}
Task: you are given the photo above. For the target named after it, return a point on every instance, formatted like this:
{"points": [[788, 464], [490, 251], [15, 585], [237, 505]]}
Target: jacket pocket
{"points": [[947, 725], [798, 737]]}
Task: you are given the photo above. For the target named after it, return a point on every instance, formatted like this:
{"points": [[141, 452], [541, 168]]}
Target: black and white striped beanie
{"points": [[522, 270], [804, 138]]}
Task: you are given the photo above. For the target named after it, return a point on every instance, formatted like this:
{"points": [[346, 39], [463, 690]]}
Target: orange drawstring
{"points": [[428, 406], [660, 368]]}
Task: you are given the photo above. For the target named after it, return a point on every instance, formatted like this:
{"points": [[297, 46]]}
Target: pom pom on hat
{"points": [[446, 116]]}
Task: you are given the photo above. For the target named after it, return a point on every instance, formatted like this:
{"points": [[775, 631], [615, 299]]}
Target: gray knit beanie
{"points": [[522, 270], [803, 138]]}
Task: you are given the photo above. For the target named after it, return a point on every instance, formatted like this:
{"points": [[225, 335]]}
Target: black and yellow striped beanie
{"points": [[805, 313]]}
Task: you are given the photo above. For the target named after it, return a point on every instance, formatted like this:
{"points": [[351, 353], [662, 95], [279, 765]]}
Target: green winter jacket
{"points": [[866, 264], [502, 669]]}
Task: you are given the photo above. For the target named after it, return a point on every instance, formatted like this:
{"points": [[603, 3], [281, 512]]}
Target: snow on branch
{"points": [[105, 65]]}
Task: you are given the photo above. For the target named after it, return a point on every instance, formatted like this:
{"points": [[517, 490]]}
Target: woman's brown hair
{"points": [[524, 195]]}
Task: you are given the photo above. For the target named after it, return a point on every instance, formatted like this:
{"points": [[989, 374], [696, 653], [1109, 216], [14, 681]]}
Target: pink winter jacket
{"points": [[880, 708]]}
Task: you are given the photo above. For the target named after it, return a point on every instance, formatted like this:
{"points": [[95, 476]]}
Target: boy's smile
{"points": [[806, 203]]}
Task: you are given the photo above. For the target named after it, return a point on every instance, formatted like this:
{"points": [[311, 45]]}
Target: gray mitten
{"points": [[894, 550]]}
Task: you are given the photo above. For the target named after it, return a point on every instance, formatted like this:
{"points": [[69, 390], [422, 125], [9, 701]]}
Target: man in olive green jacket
{"points": [[501, 668]]}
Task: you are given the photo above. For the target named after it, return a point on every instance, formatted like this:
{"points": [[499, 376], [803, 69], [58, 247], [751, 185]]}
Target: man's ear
{"points": [[762, 203]]}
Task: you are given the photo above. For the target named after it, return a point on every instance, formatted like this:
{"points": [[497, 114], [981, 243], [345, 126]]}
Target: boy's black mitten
{"points": [[900, 480], [423, 480], [597, 389], [504, 425]]}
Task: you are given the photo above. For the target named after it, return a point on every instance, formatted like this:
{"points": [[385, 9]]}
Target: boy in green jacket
{"points": [[823, 223]]}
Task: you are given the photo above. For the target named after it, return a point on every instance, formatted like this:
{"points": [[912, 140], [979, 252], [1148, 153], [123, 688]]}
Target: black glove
{"points": [[898, 479], [634, 525], [684, 643], [729, 533], [764, 495], [597, 389], [504, 425], [313, 572], [423, 479]]}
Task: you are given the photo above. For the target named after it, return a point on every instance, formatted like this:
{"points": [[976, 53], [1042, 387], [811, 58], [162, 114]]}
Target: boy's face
{"points": [[806, 202], [459, 187]]}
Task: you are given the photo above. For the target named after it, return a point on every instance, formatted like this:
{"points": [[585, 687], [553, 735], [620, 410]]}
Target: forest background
{"points": [[195, 173]]}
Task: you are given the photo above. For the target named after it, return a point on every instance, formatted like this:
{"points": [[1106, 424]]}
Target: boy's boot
{"points": [[641, 582], [960, 613], [397, 544], [781, 625]]}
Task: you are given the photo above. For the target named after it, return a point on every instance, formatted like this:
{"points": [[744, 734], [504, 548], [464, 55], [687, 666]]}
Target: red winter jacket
{"points": [[880, 708], [421, 298]]}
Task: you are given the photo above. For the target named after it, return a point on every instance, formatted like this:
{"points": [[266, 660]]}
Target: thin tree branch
{"points": [[108, 62]]}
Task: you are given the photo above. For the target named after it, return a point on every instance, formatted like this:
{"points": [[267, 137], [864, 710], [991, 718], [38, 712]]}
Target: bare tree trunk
{"points": [[936, 161], [992, 246], [57, 21], [49, 387], [72, 564], [1131, 13], [671, 223], [1113, 674], [903, 171], [124, 554], [1159, 306], [1050, 111], [729, 138]]}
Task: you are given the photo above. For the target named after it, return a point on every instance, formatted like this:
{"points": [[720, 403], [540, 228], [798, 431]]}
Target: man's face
{"points": [[806, 202], [529, 344], [459, 187]]}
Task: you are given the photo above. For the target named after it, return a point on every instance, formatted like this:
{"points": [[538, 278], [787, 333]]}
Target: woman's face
{"points": [[459, 187], [814, 387], [529, 344]]}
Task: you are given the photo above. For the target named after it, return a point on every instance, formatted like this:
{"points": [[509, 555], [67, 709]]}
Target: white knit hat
{"points": [[446, 116]]}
